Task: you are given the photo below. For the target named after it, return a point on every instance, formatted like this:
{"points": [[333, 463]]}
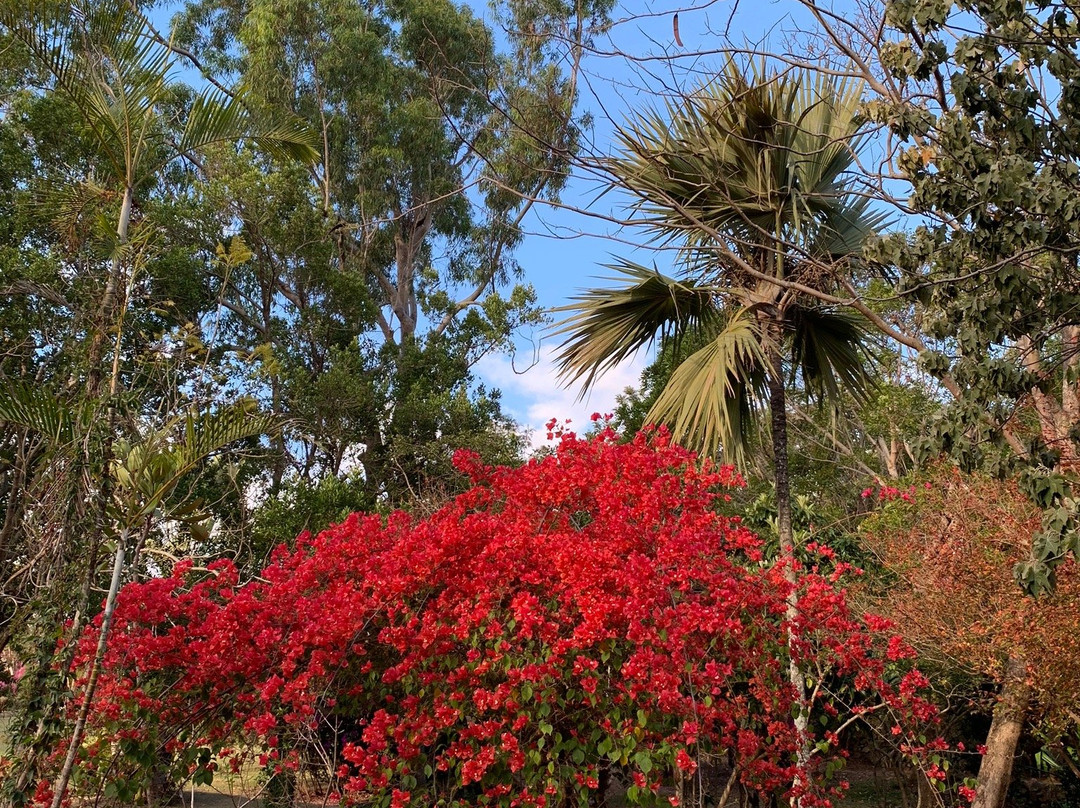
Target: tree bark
{"points": [[104, 318], [95, 673], [786, 534], [995, 771]]}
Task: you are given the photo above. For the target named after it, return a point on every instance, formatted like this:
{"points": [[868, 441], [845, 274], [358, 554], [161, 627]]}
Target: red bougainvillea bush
{"points": [[589, 615]]}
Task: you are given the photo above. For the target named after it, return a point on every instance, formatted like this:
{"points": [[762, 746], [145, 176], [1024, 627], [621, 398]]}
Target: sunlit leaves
{"points": [[122, 81]]}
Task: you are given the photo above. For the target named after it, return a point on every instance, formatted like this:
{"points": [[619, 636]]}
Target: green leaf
{"points": [[37, 409], [713, 394], [643, 760], [610, 324], [219, 118]]}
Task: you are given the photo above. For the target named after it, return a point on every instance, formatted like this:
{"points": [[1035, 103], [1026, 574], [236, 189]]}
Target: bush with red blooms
{"points": [[588, 614]]}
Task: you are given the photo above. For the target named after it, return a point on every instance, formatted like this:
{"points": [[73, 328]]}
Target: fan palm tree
{"points": [[749, 178]]}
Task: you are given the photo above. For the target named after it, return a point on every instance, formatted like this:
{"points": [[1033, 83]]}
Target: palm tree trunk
{"points": [[112, 289], [778, 414], [108, 300], [95, 673]]}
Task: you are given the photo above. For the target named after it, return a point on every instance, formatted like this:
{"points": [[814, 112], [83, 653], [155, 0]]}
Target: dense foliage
{"points": [[949, 549], [321, 230], [587, 614], [983, 101], [240, 310]]}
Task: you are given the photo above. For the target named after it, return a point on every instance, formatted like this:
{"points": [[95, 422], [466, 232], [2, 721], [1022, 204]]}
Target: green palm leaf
{"points": [[718, 390], [751, 159], [43, 28], [121, 78], [150, 470], [843, 229], [218, 118], [610, 324], [39, 410], [831, 350]]}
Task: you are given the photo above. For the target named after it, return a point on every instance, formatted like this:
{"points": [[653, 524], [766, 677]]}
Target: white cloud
{"points": [[534, 396]]}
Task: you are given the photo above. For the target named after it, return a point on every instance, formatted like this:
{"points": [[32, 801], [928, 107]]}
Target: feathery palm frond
{"points": [[219, 118], [149, 470], [120, 78], [44, 29], [715, 392], [610, 324], [39, 410]]}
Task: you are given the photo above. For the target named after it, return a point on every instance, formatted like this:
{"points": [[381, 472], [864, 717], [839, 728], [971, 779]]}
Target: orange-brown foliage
{"points": [[951, 547]]}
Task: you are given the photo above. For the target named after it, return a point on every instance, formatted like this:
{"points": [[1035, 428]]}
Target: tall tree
{"points": [[378, 280], [981, 100], [748, 178], [117, 81]]}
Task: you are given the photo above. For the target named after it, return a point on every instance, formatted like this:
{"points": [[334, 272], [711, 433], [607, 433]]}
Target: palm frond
{"points": [[610, 324], [716, 392], [119, 77], [106, 64], [218, 118], [750, 157], [149, 470], [833, 353], [72, 204], [827, 134], [44, 29], [206, 434], [40, 410], [844, 228]]}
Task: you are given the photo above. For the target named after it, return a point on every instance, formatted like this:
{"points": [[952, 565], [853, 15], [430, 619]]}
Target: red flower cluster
{"points": [[586, 614]]}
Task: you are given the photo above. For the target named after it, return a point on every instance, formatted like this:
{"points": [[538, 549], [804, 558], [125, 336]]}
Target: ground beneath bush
{"points": [[870, 788]]}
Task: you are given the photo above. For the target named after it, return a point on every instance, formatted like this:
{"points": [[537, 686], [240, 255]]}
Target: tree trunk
{"points": [[94, 378], [95, 673], [995, 770], [778, 413], [104, 318]]}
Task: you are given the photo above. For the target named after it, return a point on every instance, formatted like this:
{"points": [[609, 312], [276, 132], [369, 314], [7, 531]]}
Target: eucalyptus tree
{"points": [[378, 280], [750, 178]]}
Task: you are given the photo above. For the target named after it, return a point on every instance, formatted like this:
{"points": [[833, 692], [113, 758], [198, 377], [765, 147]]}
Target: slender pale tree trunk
{"points": [[778, 414], [995, 771], [105, 316], [95, 673], [112, 290]]}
